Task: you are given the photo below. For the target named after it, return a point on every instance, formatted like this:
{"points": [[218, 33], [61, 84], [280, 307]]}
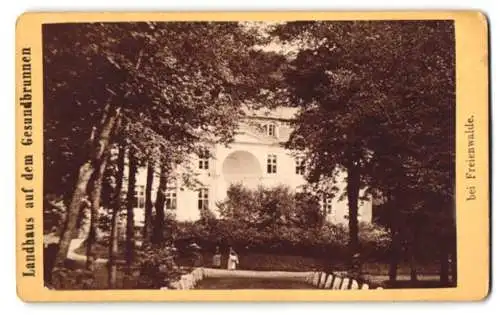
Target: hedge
{"points": [[324, 241]]}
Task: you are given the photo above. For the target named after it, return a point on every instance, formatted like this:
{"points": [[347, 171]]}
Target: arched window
{"points": [[270, 129]]}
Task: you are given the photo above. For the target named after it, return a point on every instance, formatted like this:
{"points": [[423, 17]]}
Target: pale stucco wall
{"points": [[214, 179], [250, 167]]}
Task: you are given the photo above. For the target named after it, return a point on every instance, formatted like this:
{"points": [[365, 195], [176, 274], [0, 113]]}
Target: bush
{"points": [[270, 206], [329, 240], [375, 240], [276, 220], [72, 279], [156, 267]]}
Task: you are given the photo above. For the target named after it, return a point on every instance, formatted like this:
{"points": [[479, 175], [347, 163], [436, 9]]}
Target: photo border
{"points": [[472, 217]]}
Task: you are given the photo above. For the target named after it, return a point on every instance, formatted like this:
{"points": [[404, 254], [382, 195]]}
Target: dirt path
{"points": [[73, 255], [224, 273]]}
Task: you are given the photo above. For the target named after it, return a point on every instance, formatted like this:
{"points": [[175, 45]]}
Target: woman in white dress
{"points": [[232, 260]]}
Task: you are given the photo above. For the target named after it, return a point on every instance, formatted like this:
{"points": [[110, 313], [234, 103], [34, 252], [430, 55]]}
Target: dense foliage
{"points": [[326, 241], [156, 267], [275, 220], [154, 92], [377, 100], [266, 207], [72, 279]]}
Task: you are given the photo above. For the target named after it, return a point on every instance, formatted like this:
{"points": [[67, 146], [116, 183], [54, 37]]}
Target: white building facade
{"points": [[256, 157]]}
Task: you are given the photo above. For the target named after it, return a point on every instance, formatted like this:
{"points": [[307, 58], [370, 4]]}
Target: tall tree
{"points": [[417, 161], [131, 204], [159, 221], [368, 95], [95, 204], [115, 218], [178, 81], [97, 148], [95, 193], [333, 79], [148, 213]]}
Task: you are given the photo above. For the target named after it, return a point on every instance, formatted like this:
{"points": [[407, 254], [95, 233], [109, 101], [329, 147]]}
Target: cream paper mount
{"points": [[243, 156]]}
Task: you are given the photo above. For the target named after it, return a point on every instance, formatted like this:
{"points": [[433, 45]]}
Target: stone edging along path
{"points": [[321, 280]]}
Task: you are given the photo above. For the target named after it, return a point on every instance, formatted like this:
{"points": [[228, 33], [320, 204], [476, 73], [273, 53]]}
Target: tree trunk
{"points": [[79, 231], [70, 227], [96, 151], [148, 213], [353, 187], [95, 204], [415, 226], [394, 252], [445, 264], [113, 249], [448, 246], [452, 249], [159, 225], [130, 243], [395, 246], [413, 264], [454, 262], [113, 237]]}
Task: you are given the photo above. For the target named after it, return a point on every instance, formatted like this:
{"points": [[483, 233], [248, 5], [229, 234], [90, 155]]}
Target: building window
{"points": [[327, 205], [171, 199], [270, 129], [203, 199], [139, 196], [271, 163], [203, 160], [300, 165]]}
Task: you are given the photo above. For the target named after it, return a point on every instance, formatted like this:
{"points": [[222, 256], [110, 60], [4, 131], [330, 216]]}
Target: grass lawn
{"points": [[250, 283]]}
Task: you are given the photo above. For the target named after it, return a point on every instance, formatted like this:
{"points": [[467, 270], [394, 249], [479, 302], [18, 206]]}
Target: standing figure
{"points": [[217, 258], [232, 261], [196, 257]]}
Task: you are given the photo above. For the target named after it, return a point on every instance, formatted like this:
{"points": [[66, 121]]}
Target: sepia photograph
{"points": [[198, 155]]}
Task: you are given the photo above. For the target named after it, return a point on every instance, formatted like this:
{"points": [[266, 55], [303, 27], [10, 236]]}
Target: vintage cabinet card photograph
{"points": [[271, 156]]}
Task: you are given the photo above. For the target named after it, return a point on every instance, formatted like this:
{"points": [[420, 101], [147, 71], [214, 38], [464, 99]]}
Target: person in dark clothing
{"points": [[217, 258]]}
